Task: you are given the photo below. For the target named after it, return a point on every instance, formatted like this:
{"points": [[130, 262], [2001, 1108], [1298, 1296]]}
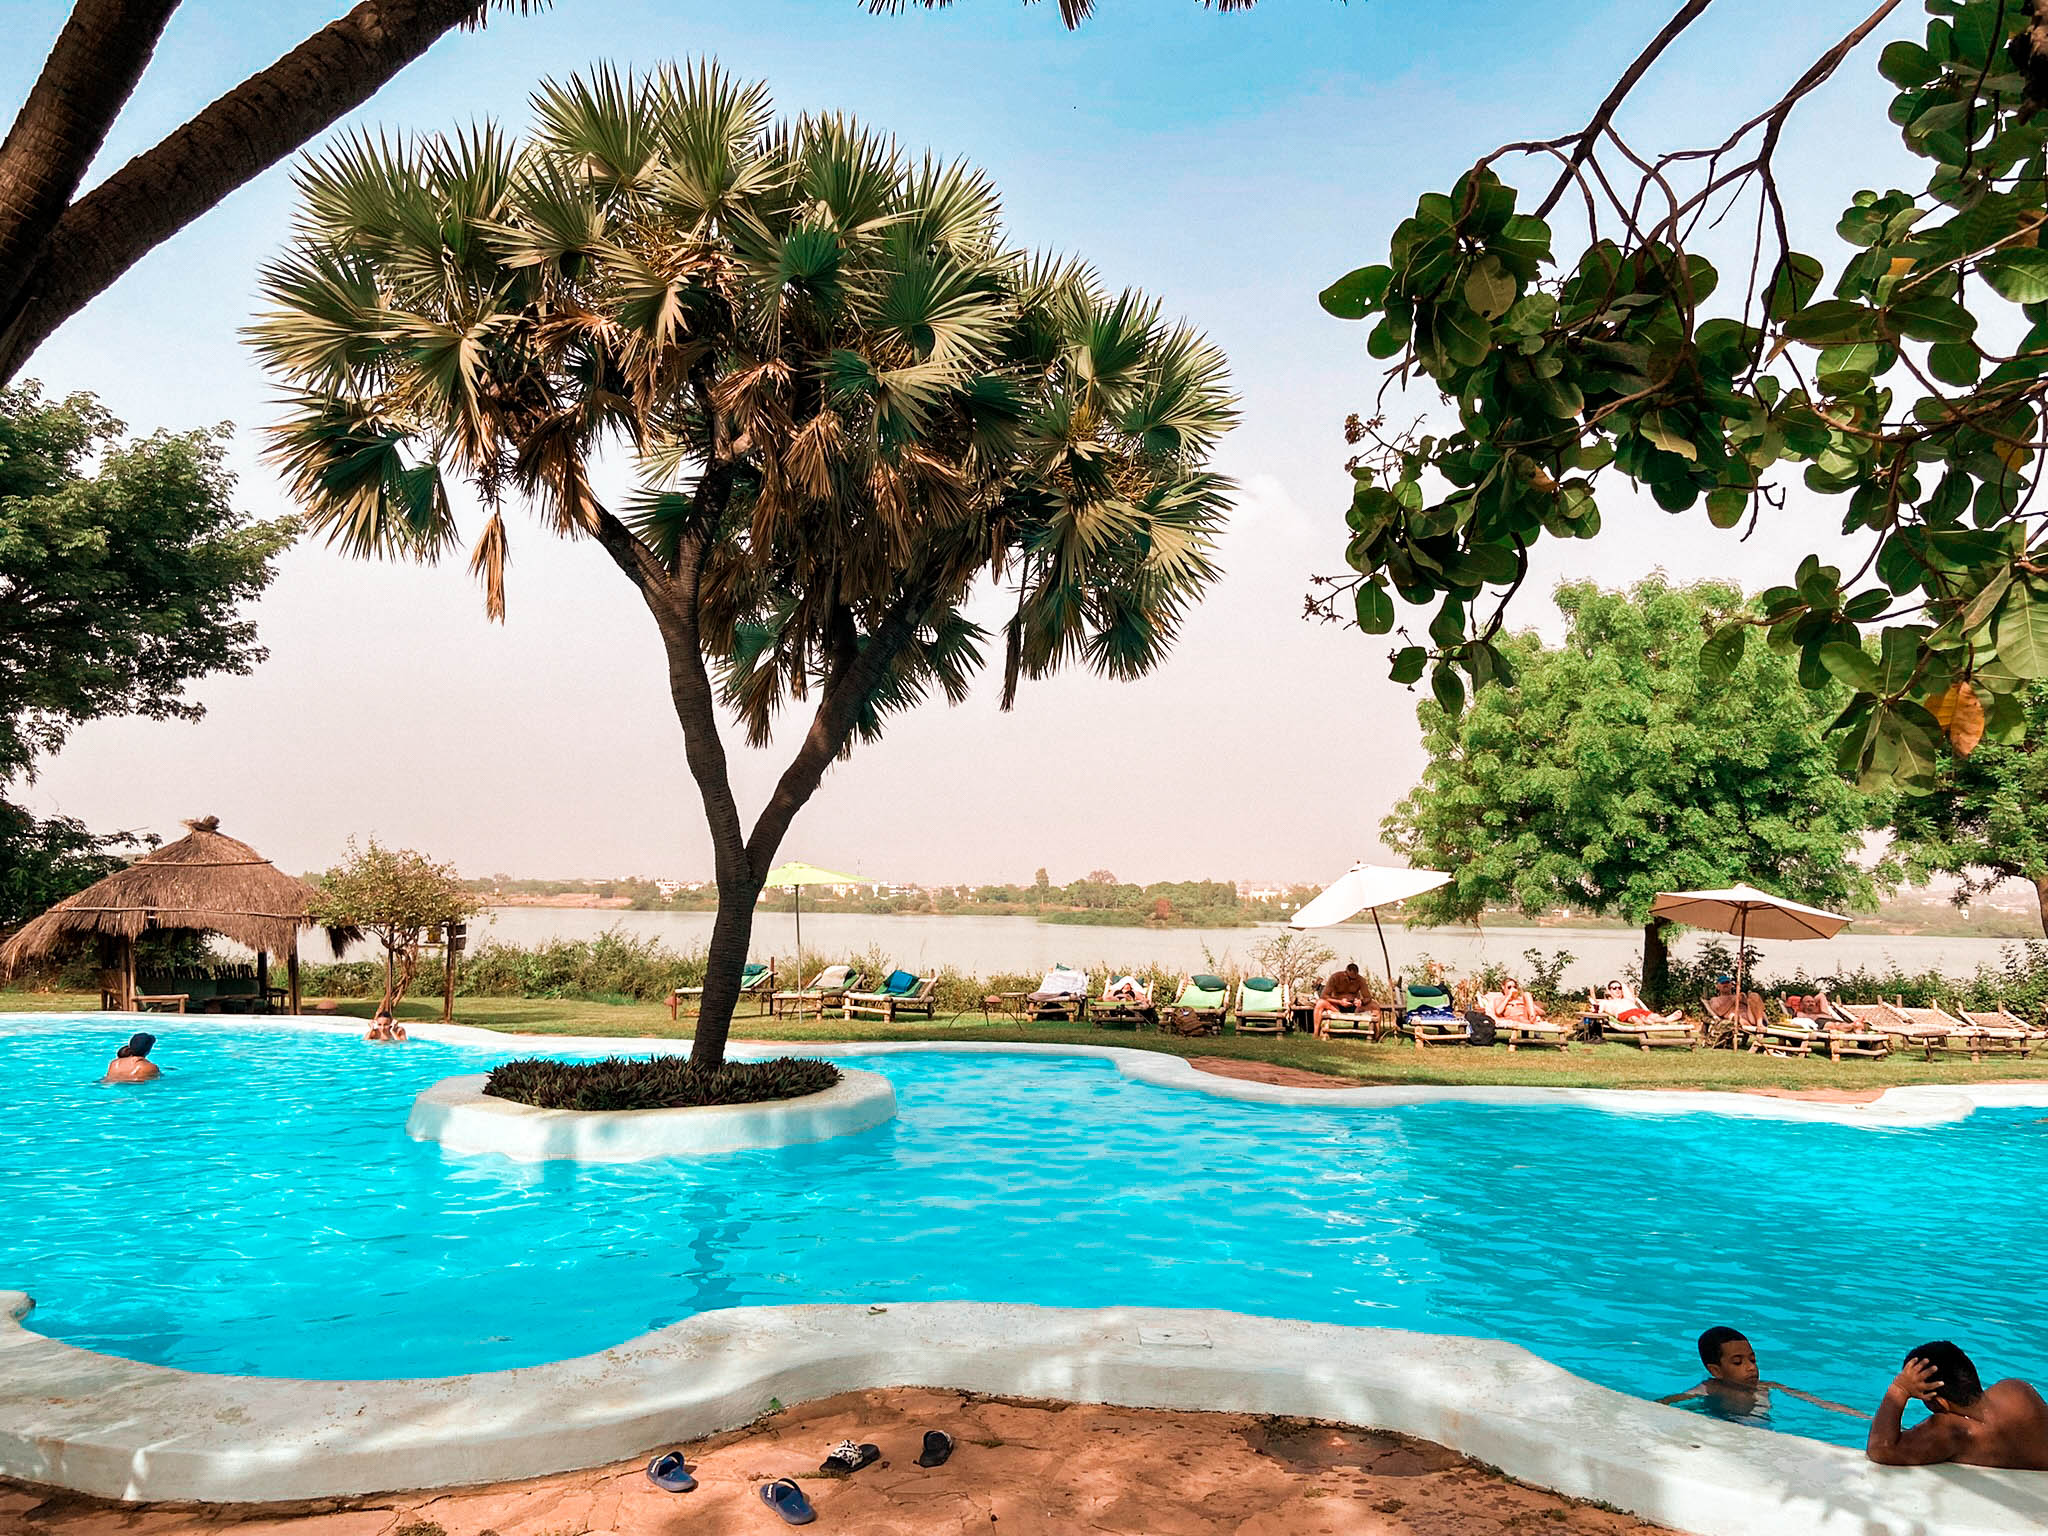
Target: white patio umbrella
{"points": [[1748, 913], [1368, 887], [794, 877]]}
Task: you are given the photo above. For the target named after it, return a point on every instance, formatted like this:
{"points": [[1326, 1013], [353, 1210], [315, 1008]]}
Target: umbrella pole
{"points": [[1393, 992], [799, 936], [1741, 977]]}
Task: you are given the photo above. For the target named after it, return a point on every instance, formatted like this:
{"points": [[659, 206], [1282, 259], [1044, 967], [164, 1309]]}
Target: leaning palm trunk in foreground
{"points": [[848, 402]]}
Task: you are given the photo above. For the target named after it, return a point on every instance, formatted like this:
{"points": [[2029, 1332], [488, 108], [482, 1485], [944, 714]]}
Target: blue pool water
{"points": [[260, 1210]]}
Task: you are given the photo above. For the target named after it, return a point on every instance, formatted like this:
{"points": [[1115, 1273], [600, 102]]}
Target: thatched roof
{"points": [[205, 881]]}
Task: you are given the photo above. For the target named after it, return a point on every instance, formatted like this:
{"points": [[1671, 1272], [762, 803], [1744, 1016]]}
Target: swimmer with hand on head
{"points": [[131, 1064], [384, 1027], [1735, 1387], [2002, 1425]]}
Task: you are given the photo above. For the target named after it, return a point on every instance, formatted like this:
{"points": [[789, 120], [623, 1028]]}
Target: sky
{"points": [[1231, 165]]}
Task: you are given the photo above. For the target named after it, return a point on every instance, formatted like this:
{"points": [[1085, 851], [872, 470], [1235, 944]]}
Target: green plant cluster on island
{"points": [[655, 1082]]}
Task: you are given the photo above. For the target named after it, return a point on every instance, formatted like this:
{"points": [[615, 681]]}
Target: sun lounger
{"points": [[756, 981], [1206, 1000], [1535, 1032], [2004, 1020], [828, 987], [1261, 1006], [1428, 1018], [1782, 1037], [901, 992], [1647, 1034], [1130, 1008], [1061, 998], [1899, 1032], [1993, 1037]]}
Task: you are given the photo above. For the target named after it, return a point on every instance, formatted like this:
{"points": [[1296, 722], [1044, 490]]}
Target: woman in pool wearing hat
{"points": [[131, 1064]]}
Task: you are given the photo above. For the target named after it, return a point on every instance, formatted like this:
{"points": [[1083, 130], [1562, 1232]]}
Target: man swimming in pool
{"points": [[1735, 1387], [131, 1064], [2002, 1425]]}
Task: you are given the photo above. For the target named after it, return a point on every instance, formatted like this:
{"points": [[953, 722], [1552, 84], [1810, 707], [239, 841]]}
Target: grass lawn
{"points": [[1600, 1066]]}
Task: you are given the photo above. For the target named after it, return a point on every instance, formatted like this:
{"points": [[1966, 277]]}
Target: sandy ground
{"points": [[1019, 1469]]}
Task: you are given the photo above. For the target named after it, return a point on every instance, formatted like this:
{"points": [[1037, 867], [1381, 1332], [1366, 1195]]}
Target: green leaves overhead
{"points": [[1905, 378]]}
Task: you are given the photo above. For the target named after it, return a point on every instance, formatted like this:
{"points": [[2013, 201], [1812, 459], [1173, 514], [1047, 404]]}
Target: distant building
{"points": [[1258, 890]]}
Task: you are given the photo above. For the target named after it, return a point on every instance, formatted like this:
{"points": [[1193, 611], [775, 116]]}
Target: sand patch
{"points": [[1019, 1469]]}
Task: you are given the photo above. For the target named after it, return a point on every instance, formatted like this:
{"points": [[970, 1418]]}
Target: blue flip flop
{"points": [[667, 1471], [788, 1501]]}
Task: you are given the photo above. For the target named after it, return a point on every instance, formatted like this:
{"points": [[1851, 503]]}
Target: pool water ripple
{"points": [[260, 1210]]}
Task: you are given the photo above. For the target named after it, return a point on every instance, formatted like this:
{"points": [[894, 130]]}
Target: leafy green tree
{"points": [[1616, 769], [401, 897], [849, 401], [124, 565], [45, 859], [1911, 392], [1984, 821]]}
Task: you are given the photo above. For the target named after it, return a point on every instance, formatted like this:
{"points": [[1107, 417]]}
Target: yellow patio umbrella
{"points": [[794, 877]]}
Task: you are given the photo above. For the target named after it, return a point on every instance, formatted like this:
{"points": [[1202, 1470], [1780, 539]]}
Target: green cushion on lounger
{"points": [[900, 982], [1209, 983], [754, 972], [1262, 983]]}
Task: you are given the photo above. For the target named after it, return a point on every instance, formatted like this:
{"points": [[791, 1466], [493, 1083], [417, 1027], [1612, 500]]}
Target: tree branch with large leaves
{"points": [[1910, 393]]}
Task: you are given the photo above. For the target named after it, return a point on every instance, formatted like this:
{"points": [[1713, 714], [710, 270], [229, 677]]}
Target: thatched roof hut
{"points": [[205, 882]]}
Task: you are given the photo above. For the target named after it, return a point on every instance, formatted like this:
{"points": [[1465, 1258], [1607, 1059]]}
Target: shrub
{"points": [[660, 1082]]}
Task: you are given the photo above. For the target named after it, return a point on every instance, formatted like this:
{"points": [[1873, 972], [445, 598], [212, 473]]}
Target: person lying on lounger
{"points": [[1814, 1007], [1620, 1003], [1511, 1005], [1735, 1388], [1724, 1003], [2002, 1425], [1343, 993]]}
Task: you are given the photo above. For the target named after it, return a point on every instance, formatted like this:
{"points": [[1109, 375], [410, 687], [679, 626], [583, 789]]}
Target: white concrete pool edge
{"points": [[123, 1430], [1895, 1108], [457, 1113]]}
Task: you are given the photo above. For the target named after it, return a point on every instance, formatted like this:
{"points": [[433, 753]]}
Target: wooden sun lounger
{"points": [[1124, 1012], [814, 998], [1367, 1022], [2003, 1018], [1979, 1040], [1262, 1021], [1544, 1032], [1428, 1032], [887, 1005], [1898, 1031], [760, 989], [1645, 1034]]}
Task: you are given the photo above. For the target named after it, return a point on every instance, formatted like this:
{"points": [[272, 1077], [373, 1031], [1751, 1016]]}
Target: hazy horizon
{"points": [[1229, 165]]}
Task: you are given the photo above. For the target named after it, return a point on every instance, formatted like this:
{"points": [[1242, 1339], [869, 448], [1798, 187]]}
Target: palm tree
{"points": [[848, 402]]}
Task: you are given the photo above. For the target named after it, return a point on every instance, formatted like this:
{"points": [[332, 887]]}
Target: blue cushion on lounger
{"points": [[900, 981]]}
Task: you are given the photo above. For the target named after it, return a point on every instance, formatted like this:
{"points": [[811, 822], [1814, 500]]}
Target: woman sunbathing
{"points": [[1621, 1004]]}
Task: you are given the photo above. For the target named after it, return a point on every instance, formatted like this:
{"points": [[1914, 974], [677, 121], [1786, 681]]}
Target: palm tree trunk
{"points": [[255, 125], [87, 79], [2041, 902]]}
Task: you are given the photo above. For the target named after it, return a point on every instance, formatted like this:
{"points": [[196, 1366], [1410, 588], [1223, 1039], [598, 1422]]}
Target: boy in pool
{"points": [[1735, 1387]]}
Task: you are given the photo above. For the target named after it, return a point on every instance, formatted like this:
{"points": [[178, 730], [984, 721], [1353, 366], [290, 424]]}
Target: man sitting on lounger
{"points": [[1724, 1004], [2002, 1425], [1735, 1388], [1343, 993]]}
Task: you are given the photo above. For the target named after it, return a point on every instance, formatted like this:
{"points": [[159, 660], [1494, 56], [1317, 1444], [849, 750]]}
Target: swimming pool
{"points": [[261, 1211]]}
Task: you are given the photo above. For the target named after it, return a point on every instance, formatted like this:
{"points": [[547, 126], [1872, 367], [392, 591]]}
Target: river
{"points": [[989, 946]]}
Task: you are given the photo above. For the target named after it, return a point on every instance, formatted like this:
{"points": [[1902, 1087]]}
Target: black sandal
{"points": [[938, 1445], [846, 1458]]}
